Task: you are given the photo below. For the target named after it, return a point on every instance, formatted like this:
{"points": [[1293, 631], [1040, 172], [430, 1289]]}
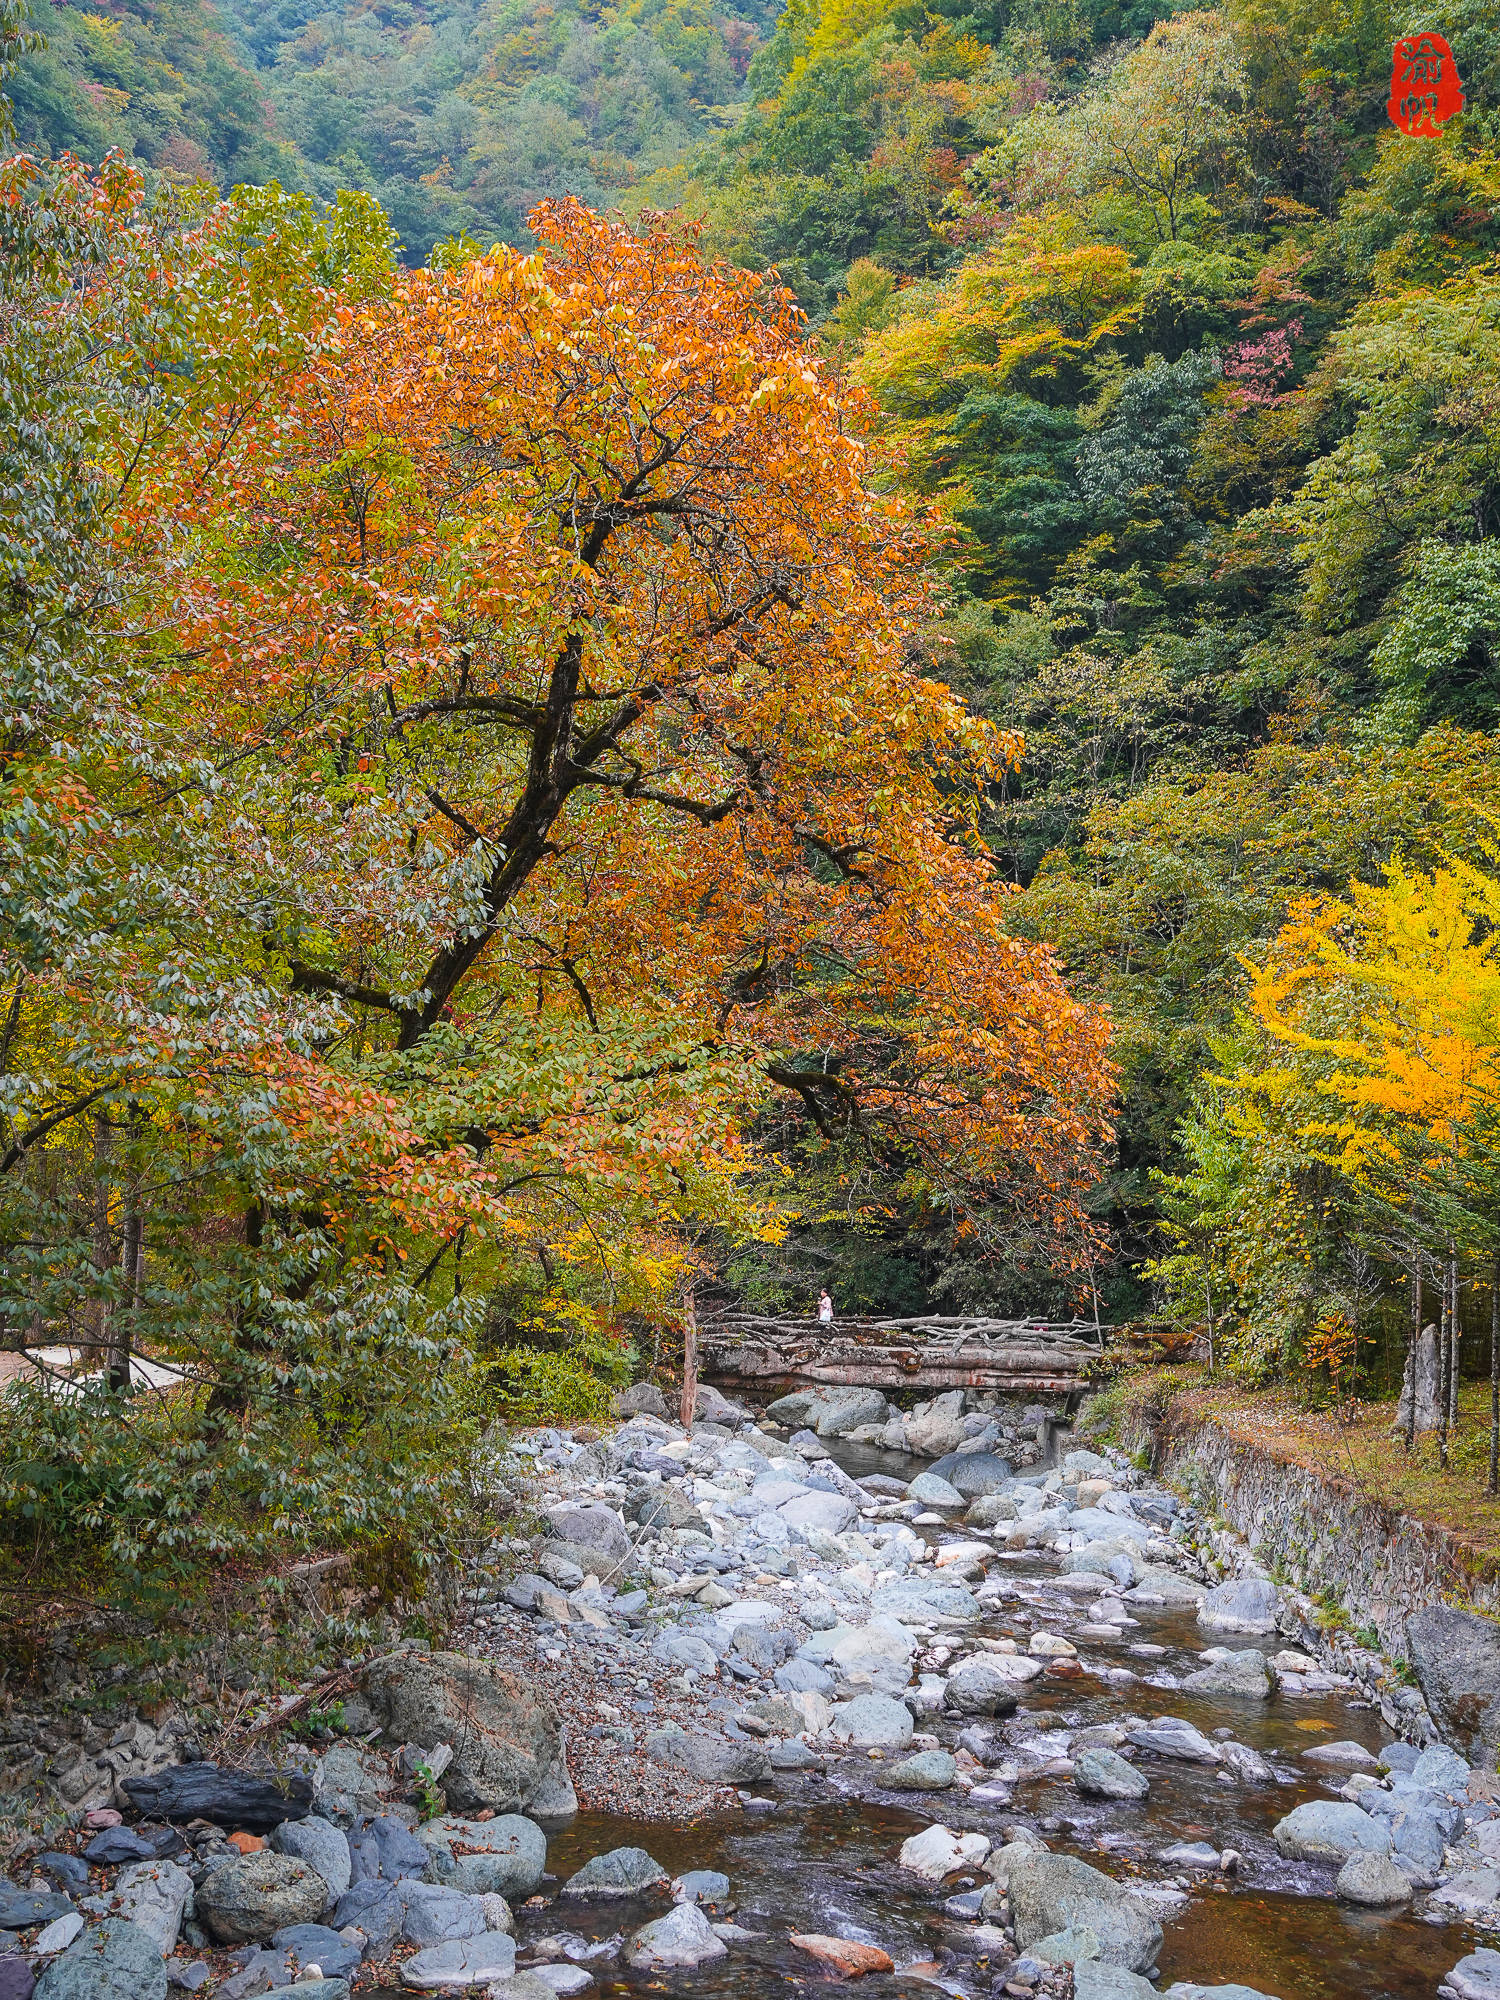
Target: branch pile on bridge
{"points": [[932, 1352]]}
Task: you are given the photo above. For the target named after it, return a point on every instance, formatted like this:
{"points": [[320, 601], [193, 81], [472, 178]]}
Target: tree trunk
{"points": [[1413, 1345], [689, 1363], [1445, 1358], [1495, 1378], [1455, 1335], [96, 1348], [132, 1281]]}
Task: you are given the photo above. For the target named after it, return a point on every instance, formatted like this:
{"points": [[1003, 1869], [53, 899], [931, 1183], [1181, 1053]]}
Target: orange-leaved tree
{"points": [[562, 646]]}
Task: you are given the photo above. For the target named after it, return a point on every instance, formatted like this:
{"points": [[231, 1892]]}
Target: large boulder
{"points": [[712, 1760], [458, 1963], [434, 1914], [623, 1871], [1457, 1658], [1241, 1674], [871, 1722], [322, 1846], [508, 1744], [590, 1530], [1249, 1605], [1373, 1882], [496, 1857], [1101, 1773], [796, 1409], [641, 1398], [829, 1513], [1476, 1977], [154, 1895], [1328, 1830], [245, 1900], [924, 1597], [235, 1799], [845, 1410], [934, 1491], [115, 1960], [982, 1687], [1056, 1892], [974, 1473], [685, 1937]]}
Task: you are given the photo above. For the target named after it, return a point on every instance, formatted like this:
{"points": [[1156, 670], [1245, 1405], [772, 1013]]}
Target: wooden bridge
{"points": [[739, 1349]]}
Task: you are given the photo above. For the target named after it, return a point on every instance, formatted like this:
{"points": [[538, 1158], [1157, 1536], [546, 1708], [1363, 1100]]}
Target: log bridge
{"points": [[1011, 1355]]}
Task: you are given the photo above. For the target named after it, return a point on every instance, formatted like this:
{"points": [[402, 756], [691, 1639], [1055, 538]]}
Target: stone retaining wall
{"points": [[1320, 1529]]}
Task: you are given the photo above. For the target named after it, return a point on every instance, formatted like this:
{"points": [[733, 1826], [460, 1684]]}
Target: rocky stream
{"points": [[932, 1700]]}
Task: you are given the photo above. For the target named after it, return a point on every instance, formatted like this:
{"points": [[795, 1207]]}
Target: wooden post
{"points": [[689, 1363]]}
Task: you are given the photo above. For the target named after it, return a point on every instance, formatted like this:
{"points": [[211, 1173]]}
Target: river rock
{"points": [[925, 1597], [927, 1771], [1340, 1757], [1056, 1892], [17, 1981], [641, 1398], [321, 1845], [319, 1944], [992, 1509], [1242, 1675], [682, 1937], [21, 1908], [826, 1513], [1249, 1604], [1373, 1881], [1105, 1774], [1476, 1977], [937, 1851], [435, 1914], [246, 1900], [1094, 1980], [115, 1960], [975, 1474], [713, 1760], [984, 1687], [845, 1410], [235, 1799], [934, 1491], [1457, 1658], [505, 1856], [591, 1528], [1171, 1736], [846, 1957], [1474, 1893], [1328, 1830], [701, 1885], [1155, 1585], [459, 1962], [882, 1639], [153, 1895], [872, 1722], [377, 1908], [623, 1871], [508, 1742], [347, 1786], [1441, 1771]]}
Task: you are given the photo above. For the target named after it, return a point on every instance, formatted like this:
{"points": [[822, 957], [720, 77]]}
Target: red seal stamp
{"points": [[1425, 90]]}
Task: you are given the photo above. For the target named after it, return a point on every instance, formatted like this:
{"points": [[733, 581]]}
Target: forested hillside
{"points": [[1185, 362]]}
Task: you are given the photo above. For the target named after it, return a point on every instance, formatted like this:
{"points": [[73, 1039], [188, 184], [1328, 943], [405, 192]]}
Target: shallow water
{"points": [[822, 1856]]}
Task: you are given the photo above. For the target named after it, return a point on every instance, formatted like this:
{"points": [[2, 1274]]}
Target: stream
{"points": [[822, 1856]]}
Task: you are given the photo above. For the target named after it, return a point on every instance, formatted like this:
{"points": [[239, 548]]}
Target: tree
{"points": [[1163, 117]]}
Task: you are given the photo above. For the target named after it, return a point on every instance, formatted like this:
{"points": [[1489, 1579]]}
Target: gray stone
{"points": [[991, 1510], [1457, 1658], [641, 1396], [924, 1597], [435, 1914], [312, 1989], [710, 1407], [1373, 1881], [521, 1986], [506, 1856], [1249, 1605], [376, 1908], [701, 1885], [1088, 1465], [115, 1960], [683, 1937], [1417, 1844], [1104, 1774], [593, 1528], [1476, 1977], [934, 1491], [1398, 1757], [872, 1721], [17, 1981], [713, 1760], [1421, 1381], [829, 1512], [793, 1755], [21, 1908], [565, 1980], [507, 1738], [188, 1974], [927, 1771], [1240, 1674], [796, 1409], [1190, 1854], [346, 1786], [1056, 1892], [477, 1960], [319, 1944], [246, 1900], [803, 1677], [1339, 1757], [685, 1649], [980, 1688], [154, 1896], [321, 1845], [1328, 1830], [845, 1410], [1441, 1771], [1155, 1585], [975, 1474], [1094, 1980], [1170, 1736], [624, 1871], [63, 1871]]}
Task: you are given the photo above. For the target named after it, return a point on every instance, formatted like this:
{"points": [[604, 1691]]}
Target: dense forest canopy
{"points": [[1099, 622]]}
